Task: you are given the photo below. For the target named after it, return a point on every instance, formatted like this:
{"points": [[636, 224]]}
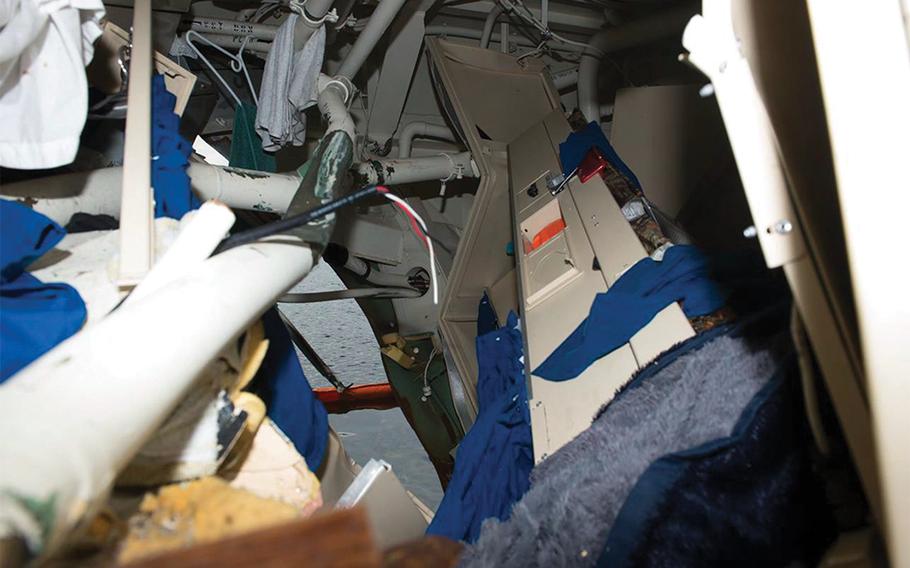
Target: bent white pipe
{"points": [[420, 129], [98, 191], [332, 101], [639, 32], [391, 171], [116, 381]]}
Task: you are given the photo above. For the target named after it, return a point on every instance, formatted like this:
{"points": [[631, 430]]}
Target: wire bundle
{"points": [[423, 233], [294, 221]]}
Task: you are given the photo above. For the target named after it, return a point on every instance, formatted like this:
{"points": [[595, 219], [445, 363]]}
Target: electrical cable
{"points": [[427, 391], [288, 223], [404, 206], [349, 294], [519, 9]]}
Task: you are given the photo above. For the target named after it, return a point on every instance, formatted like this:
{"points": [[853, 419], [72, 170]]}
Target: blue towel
{"points": [[34, 317], [287, 395], [633, 301], [577, 145], [494, 460], [170, 152]]}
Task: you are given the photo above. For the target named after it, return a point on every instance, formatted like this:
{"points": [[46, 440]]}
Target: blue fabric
{"points": [[577, 145], [173, 196], [494, 460], [34, 317], [290, 401], [692, 508], [486, 317], [633, 301]]}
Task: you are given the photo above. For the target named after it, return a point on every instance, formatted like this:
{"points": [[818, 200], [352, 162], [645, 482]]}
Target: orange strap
{"points": [[547, 233], [376, 396]]}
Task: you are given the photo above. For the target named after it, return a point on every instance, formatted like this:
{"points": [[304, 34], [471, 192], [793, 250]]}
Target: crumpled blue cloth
{"points": [[34, 317], [495, 458], [633, 301], [170, 154], [287, 394], [577, 145]]}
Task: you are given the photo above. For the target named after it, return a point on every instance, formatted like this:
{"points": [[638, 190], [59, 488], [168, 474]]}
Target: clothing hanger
{"points": [[237, 62]]}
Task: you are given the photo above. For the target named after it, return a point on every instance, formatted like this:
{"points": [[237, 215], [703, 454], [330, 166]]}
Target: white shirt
{"points": [[44, 48]]}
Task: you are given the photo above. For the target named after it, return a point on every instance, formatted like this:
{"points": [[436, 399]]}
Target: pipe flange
{"points": [[331, 16], [346, 85], [455, 171]]}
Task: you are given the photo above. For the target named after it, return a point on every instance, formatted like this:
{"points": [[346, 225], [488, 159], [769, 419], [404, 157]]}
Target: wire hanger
{"points": [[237, 62]]}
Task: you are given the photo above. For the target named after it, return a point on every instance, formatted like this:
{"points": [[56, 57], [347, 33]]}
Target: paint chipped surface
{"points": [[335, 160], [32, 518], [249, 174]]}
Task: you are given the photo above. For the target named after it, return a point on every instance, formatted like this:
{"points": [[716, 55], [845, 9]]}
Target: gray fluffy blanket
{"points": [[576, 494]]}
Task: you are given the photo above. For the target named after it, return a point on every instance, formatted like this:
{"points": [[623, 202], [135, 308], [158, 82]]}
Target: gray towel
{"points": [[288, 87]]}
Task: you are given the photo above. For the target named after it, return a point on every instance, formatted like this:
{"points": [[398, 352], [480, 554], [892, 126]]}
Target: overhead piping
{"points": [[421, 129], [379, 22], [96, 192], [390, 172], [310, 20], [233, 28], [488, 25], [636, 33]]}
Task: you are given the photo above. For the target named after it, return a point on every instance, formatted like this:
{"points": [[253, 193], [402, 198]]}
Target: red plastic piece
{"points": [[593, 164]]}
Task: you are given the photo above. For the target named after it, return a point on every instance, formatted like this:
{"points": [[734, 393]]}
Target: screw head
{"points": [[782, 227]]}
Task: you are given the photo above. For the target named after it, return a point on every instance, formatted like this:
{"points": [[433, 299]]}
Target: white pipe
{"points": [[84, 409], [488, 25], [254, 46], [639, 32], [565, 79], [379, 22], [243, 189], [97, 191], [442, 167], [332, 101], [233, 28], [504, 37], [315, 11], [421, 129]]}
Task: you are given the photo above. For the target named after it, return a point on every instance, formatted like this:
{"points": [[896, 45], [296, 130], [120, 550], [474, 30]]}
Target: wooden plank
{"points": [[137, 236], [340, 539]]}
